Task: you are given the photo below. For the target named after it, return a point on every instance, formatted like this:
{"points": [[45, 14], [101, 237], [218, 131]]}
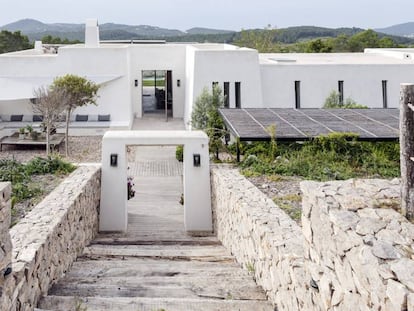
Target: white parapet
{"points": [[196, 181]]}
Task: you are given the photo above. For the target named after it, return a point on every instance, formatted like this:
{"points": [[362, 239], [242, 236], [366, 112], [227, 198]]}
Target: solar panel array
{"points": [[302, 124]]}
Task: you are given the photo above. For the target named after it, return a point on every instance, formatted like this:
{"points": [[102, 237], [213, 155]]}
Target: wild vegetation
{"points": [[22, 176], [334, 101], [327, 157]]}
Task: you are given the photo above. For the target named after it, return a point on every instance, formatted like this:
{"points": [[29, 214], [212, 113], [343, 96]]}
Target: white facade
{"points": [[263, 80]]}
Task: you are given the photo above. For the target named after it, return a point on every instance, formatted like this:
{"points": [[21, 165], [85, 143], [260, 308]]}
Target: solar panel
{"points": [[301, 124]]}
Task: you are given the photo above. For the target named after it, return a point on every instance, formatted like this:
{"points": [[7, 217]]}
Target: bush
{"points": [[20, 174], [333, 101], [49, 165], [179, 153], [327, 157]]}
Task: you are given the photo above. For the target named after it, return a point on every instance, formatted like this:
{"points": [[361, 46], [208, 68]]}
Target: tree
{"points": [[50, 104], [261, 40], [48, 39], [13, 41], [205, 116], [334, 101], [79, 92]]}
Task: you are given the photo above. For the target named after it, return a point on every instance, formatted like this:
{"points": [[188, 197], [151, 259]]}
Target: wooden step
{"points": [[211, 253], [144, 277], [59, 303]]}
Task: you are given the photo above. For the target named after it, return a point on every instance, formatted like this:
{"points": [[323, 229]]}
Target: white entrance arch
{"points": [[196, 182]]}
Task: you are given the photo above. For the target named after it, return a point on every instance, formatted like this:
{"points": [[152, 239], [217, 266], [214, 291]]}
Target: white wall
{"points": [[232, 66], [189, 83], [113, 97], [362, 83]]}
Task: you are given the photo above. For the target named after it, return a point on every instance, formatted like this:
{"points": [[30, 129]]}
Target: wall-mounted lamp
{"points": [[196, 160], [136, 83], [178, 82], [114, 160]]}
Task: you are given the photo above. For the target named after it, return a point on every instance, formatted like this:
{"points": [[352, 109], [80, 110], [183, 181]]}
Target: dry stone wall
{"points": [[50, 237], [358, 249], [262, 237], [5, 240], [353, 252]]}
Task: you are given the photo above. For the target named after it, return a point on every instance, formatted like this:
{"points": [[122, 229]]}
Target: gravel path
{"points": [[81, 149]]}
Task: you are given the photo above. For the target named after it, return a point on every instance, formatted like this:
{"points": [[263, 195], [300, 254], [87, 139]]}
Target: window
{"points": [[384, 94], [297, 94], [213, 84], [237, 94], [341, 92], [226, 91]]}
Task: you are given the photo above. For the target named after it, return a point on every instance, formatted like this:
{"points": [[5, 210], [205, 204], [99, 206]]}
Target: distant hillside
{"points": [[406, 29], [300, 33], [207, 31], [35, 30]]}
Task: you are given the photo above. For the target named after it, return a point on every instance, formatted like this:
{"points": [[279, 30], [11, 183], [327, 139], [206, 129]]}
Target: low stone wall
{"points": [[358, 250], [5, 240], [353, 252], [50, 237], [262, 237]]}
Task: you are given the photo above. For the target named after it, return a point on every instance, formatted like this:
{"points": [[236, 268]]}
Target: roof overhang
{"points": [[18, 88]]}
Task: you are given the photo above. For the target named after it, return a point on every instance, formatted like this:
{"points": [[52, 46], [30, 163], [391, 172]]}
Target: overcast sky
{"points": [[224, 14]]}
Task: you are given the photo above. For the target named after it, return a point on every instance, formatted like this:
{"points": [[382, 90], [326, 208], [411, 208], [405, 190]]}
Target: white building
{"points": [[249, 79]]}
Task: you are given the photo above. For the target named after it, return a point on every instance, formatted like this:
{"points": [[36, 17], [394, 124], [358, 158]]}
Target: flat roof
{"points": [[304, 124], [330, 59]]}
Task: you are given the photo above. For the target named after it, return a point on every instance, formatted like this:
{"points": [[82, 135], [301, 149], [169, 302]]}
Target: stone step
{"points": [[67, 303]]}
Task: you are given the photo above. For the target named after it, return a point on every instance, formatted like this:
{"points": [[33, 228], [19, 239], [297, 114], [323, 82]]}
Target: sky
{"points": [[219, 14]]}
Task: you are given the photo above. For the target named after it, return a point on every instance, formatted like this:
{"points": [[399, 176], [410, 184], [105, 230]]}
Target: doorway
{"points": [[157, 93]]}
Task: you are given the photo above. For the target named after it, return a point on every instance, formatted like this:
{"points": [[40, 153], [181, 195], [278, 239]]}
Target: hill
{"points": [[35, 30], [405, 29]]}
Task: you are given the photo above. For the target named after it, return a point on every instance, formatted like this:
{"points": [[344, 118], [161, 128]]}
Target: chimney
{"points": [[91, 33], [38, 46]]}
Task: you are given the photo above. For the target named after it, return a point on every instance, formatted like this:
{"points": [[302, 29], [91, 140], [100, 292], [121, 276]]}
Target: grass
{"points": [[151, 82], [330, 157]]}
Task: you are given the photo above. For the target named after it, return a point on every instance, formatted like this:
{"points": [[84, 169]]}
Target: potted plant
{"points": [[29, 130], [22, 133], [34, 135]]}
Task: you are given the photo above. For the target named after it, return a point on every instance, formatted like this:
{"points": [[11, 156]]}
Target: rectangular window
{"points": [[213, 84], [384, 94], [341, 92], [226, 93], [297, 94], [237, 94]]}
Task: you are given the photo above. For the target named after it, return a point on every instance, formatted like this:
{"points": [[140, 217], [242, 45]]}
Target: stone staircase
{"points": [[155, 266]]}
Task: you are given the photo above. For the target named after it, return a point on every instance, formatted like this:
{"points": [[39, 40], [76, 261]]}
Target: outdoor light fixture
{"points": [[114, 159], [178, 82], [136, 83], [196, 160]]}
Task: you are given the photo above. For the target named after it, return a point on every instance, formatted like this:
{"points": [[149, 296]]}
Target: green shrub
{"points": [[49, 165], [20, 174], [327, 157], [179, 153]]}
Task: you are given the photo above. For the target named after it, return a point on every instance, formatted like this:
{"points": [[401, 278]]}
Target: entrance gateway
{"points": [[196, 177]]}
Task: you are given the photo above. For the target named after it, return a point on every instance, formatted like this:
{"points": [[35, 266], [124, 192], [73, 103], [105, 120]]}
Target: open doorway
{"points": [[157, 93]]}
